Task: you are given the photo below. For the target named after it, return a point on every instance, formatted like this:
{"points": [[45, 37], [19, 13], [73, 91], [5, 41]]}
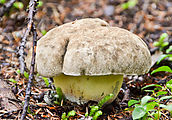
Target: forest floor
{"points": [[148, 19]]}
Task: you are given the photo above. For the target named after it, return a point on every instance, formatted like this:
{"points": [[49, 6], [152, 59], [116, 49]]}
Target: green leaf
{"points": [[43, 32], [64, 117], [150, 106], [125, 6], [151, 85], [169, 84], [145, 99], [162, 57], [161, 93], [18, 71], [86, 114], [162, 68], [138, 113], [93, 110], [59, 93], [169, 49], [132, 3], [12, 80], [132, 102], [26, 75], [18, 5], [169, 107], [165, 97], [129, 4], [163, 36], [97, 114], [105, 99], [46, 81], [71, 113], [2, 1], [40, 4], [149, 91], [164, 44], [156, 44]]}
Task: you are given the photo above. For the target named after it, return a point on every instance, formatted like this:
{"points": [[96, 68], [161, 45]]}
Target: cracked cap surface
{"points": [[91, 47]]}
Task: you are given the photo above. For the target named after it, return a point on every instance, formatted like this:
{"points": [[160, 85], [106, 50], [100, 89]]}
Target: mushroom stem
{"points": [[83, 88]]}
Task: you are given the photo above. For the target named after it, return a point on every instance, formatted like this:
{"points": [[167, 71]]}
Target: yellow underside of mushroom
{"points": [[81, 89]]}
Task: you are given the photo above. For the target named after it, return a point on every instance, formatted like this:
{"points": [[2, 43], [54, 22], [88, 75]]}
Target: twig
{"points": [[31, 75], [32, 11], [145, 6], [6, 7], [30, 27]]}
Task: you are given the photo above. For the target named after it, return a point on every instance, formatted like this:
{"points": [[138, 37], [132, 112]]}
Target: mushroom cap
{"points": [[91, 47]]}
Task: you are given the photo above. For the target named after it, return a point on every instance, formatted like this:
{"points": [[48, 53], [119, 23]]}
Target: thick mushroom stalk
{"points": [[83, 88]]}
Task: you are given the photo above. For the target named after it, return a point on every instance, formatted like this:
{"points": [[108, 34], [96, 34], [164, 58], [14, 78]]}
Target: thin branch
{"points": [[31, 75], [32, 11], [6, 7], [30, 28]]}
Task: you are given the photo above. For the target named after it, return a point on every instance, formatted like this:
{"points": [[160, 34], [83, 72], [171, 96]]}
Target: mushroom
{"points": [[87, 58]]}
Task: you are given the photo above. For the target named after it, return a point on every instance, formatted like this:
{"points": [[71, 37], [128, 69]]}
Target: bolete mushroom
{"points": [[87, 58]]}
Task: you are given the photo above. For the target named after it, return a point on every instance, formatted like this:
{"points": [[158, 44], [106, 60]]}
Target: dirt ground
{"points": [[148, 19]]}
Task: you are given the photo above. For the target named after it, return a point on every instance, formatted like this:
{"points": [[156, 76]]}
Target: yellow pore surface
{"points": [[81, 89]]}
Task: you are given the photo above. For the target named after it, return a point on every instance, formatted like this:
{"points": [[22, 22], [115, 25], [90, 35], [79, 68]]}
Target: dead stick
{"points": [[6, 7], [31, 75], [32, 11]]}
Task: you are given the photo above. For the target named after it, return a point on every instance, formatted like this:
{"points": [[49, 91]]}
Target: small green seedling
{"points": [[12, 80], [18, 5], [95, 111], [161, 43], [26, 74], [70, 114], [2, 1], [46, 81], [152, 107], [43, 32], [60, 94], [129, 4], [169, 49], [40, 3]]}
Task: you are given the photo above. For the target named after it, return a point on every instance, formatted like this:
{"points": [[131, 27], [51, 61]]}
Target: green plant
{"points": [[40, 3], [26, 74], [60, 95], [129, 4], [46, 81], [43, 32], [162, 57], [95, 111], [169, 49], [161, 43], [18, 5], [2, 1], [12, 80], [70, 114], [162, 68], [152, 107]]}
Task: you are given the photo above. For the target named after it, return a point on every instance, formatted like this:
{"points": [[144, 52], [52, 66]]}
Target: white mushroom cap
{"points": [[91, 47]]}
